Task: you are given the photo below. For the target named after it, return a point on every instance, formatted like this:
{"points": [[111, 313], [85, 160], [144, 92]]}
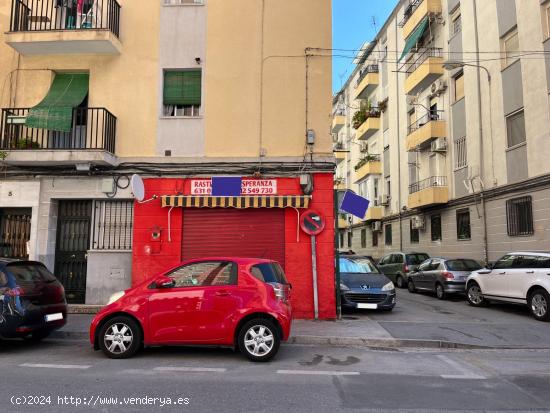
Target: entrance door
{"points": [[244, 233], [15, 232], [73, 241]]}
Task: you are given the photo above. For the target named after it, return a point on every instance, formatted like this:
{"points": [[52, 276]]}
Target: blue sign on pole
{"points": [[354, 204], [226, 186]]}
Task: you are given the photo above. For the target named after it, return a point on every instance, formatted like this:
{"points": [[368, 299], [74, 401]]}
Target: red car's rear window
{"points": [[269, 272]]}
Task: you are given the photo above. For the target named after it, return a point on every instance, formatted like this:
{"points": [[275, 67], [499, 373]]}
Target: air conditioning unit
{"points": [[412, 100], [439, 87], [385, 200], [418, 222], [439, 145], [377, 226]]}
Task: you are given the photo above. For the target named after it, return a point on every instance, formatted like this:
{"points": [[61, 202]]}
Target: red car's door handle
{"points": [[222, 293]]}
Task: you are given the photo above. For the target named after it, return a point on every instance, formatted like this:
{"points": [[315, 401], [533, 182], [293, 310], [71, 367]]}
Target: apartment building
{"points": [[443, 126], [177, 91]]}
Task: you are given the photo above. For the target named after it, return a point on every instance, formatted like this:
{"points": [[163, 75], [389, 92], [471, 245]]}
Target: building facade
{"points": [[443, 126], [177, 91]]}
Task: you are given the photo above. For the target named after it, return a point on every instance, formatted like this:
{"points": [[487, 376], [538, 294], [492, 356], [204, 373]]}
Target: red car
{"points": [[242, 303]]}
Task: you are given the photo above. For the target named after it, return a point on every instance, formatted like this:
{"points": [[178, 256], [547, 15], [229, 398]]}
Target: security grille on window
{"points": [[515, 128], [435, 221], [461, 157], [112, 225], [388, 234], [519, 216], [463, 228], [182, 93]]}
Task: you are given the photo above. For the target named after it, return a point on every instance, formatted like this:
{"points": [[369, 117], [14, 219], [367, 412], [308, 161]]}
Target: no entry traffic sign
{"points": [[312, 223]]}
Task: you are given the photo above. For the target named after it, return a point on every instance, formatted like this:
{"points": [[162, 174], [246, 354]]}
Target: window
{"points": [[388, 188], [388, 234], [461, 157], [374, 238], [269, 273], [182, 93], [542, 262], [341, 239], [546, 19], [203, 274], [436, 227], [515, 128], [396, 259], [375, 185], [363, 238], [415, 233], [505, 262], [458, 81], [519, 216], [463, 265], [350, 238], [112, 225], [463, 229], [416, 259], [456, 23], [525, 261], [510, 47]]}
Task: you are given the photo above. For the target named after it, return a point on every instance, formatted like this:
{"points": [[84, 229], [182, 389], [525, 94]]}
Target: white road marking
{"points": [[320, 372], [466, 373], [192, 369], [55, 366]]}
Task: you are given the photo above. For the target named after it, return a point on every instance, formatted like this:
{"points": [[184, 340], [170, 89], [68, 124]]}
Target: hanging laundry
{"points": [[79, 6]]}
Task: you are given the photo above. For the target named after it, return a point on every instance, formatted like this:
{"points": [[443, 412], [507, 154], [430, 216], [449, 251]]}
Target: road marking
{"points": [[466, 373], [55, 366], [192, 369], [320, 372]]}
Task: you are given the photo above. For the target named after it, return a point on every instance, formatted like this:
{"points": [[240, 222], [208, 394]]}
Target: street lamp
{"points": [[456, 64]]}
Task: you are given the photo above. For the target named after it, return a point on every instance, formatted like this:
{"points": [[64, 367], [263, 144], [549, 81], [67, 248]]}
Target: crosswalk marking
{"points": [[319, 372], [56, 366], [192, 369]]}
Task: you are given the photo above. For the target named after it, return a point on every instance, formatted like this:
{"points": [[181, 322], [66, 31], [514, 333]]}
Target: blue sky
{"points": [[352, 25]]}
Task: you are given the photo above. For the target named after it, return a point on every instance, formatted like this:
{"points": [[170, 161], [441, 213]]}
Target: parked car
{"points": [[518, 278], [362, 285], [442, 276], [242, 303], [32, 300], [398, 265]]}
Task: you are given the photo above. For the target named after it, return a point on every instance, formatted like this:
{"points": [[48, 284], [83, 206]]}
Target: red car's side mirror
{"points": [[164, 282]]}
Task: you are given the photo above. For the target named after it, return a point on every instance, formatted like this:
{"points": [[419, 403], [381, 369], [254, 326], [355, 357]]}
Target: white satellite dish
{"points": [[138, 189]]}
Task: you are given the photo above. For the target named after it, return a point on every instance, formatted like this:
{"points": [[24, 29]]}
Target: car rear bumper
{"points": [[455, 287], [370, 300], [24, 322]]}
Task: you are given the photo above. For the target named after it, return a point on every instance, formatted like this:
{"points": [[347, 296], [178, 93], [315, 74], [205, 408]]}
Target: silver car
{"points": [[442, 276]]}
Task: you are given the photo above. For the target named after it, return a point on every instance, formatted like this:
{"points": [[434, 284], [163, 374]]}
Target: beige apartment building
{"points": [[177, 91], [444, 126]]}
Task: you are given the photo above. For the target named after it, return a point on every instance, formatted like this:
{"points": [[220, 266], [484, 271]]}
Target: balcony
{"points": [[340, 156], [431, 191], [374, 213], [338, 122], [367, 82], [342, 222], [90, 140], [416, 11], [424, 130], [370, 165], [340, 184], [367, 124], [424, 70], [38, 27]]}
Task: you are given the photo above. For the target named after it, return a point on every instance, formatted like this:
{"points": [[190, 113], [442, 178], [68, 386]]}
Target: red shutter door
{"points": [[247, 233]]}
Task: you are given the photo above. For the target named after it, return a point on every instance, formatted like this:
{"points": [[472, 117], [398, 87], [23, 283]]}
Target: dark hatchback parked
{"points": [[363, 286], [32, 300]]}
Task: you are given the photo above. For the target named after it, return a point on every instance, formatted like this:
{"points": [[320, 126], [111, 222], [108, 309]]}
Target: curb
{"points": [[371, 343], [84, 309]]}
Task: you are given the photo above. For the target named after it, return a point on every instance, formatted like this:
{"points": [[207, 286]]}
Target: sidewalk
{"points": [[366, 332]]}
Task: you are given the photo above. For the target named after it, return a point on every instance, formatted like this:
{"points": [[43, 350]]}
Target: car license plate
{"points": [[53, 317], [368, 306]]}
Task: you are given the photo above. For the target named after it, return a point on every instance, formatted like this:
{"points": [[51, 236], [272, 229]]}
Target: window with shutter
{"points": [[182, 93]]}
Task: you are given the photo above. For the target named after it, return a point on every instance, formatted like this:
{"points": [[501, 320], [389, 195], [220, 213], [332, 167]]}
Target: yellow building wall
{"points": [[125, 84], [256, 94]]}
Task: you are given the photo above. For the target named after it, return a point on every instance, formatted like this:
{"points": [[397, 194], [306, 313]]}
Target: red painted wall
{"points": [[153, 256]]}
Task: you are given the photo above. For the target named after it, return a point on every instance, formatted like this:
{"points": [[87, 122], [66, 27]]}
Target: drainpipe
{"points": [[398, 151], [481, 160]]}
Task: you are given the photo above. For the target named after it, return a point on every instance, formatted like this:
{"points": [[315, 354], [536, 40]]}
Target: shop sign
{"points": [[248, 187]]}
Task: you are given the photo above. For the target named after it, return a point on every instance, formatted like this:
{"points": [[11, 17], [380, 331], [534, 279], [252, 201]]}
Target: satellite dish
{"points": [[138, 189]]}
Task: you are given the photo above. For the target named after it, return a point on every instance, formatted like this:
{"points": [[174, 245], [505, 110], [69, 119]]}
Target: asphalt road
{"points": [[300, 379]]}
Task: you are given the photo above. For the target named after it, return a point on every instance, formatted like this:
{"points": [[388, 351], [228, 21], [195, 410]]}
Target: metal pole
{"points": [[337, 258], [314, 269]]}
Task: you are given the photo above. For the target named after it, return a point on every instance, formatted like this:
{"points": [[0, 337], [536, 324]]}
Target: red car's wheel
{"points": [[259, 340], [120, 338]]}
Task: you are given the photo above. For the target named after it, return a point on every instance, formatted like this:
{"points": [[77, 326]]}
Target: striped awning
{"points": [[241, 202]]}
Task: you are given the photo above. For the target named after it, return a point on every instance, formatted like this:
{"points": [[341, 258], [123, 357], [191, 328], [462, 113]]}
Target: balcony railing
{"points": [[48, 15], [92, 129], [429, 117], [365, 71], [423, 55], [433, 181], [409, 11], [369, 158]]}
